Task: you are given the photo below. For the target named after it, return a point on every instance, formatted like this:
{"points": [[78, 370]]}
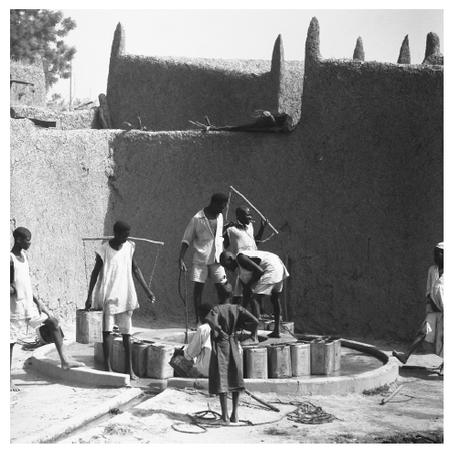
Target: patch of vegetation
{"points": [[429, 437], [385, 389], [273, 431]]}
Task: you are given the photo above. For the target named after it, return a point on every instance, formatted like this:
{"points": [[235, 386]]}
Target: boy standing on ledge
{"points": [[28, 313], [115, 292]]}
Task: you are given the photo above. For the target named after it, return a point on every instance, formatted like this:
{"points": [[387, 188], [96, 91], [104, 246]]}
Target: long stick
{"points": [[104, 238], [385, 400], [273, 408], [256, 209]]}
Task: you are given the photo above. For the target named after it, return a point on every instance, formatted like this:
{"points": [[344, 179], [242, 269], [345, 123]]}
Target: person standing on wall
{"points": [[113, 289], [28, 315], [431, 330], [239, 236], [204, 232], [261, 273]]}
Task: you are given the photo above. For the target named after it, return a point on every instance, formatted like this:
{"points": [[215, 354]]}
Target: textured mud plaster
{"points": [[168, 92], [375, 134], [23, 94], [65, 120], [59, 191]]}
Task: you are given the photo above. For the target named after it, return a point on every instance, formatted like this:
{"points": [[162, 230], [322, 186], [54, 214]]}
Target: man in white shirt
{"points": [[204, 232], [193, 361]]}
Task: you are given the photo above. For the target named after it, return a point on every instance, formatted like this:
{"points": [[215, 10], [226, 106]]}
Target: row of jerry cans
{"points": [[150, 360], [292, 360]]}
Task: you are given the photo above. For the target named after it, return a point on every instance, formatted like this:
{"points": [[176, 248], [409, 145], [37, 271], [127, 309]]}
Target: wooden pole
{"points": [[256, 209], [105, 238], [268, 405]]}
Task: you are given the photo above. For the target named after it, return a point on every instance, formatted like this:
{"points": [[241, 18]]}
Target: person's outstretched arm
{"points": [[41, 307], [260, 232], [94, 275], [246, 263], [12, 288], [249, 322], [188, 237]]}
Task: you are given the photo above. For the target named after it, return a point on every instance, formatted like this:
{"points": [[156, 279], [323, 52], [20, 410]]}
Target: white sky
{"points": [[238, 33]]}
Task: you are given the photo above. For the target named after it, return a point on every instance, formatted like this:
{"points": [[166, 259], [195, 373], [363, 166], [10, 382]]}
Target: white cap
{"points": [[440, 245]]}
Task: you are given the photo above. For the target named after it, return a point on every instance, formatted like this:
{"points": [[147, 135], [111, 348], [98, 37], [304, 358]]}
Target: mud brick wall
{"points": [[356, 189], [168, 92], [23, 94], [59, 192]]}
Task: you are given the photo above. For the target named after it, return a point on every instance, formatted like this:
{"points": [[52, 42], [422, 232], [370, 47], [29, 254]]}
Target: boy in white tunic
{"points": [[28, 315], [240, 236], [262, 273], [113, 290]]}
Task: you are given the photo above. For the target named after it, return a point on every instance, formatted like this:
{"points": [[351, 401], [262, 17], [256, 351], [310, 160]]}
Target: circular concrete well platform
{"points": [[363, 367]]}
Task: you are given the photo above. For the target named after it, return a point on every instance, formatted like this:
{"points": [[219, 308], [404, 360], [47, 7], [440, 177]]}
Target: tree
{"points": [[37, 34]]}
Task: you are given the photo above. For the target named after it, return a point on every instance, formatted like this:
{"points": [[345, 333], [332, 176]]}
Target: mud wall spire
{"points": [[358, 53], [312, 45], [404, 56]]}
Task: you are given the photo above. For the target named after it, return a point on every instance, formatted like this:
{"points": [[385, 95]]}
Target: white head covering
{"points": [[440, 245]]}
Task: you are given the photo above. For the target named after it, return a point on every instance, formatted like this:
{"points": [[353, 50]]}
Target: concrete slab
{"points": [[46, 361], [363, 367], [58, 431]]}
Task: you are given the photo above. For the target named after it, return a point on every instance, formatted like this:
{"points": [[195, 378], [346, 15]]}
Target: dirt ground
{"points": [[43, 402], [415, 414]]}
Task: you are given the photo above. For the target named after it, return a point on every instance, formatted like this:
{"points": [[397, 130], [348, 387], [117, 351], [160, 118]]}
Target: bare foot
{"points": [[400, 356], [274, 334], [13, 387], [72, 364], [133, 376], [108, 368], [225, 421], [234, 418]]}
